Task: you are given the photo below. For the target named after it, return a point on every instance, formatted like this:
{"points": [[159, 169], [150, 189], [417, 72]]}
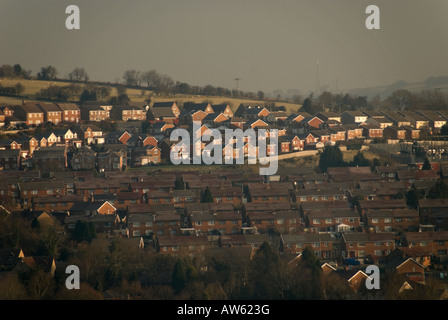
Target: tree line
{"points": [[162, 84], [399, 100]]}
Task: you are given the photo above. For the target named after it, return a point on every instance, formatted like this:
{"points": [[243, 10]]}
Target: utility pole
{"points": [[237, 81], [317, 78]]}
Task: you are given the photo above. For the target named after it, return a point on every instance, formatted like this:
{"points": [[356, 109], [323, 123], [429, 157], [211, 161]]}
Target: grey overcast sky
{"points": [[268, 44]]}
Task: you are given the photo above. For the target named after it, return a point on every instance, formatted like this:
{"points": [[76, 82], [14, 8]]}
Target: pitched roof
{"points": [[166, 104], [68, 106], [162, 112]]}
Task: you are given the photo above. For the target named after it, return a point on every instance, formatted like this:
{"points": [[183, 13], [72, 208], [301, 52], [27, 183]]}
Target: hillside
{"points": [[32, 87], [431, 83]]}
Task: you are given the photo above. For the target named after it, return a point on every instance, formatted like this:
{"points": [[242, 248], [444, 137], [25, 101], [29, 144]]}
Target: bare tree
{"points": [[78, 74], [132, 78]]}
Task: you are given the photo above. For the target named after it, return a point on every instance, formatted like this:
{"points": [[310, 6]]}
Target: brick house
{"points": [[104, 223], [192, 116], [52, 113], [88, 133], [208, 222], [160, 197], [10, 159], [288, 221], [7, 111], [142, 156], [167, 224], [93, 208], [224, 109], [117, 137], [111, 160], [397, 119], [436, 121], [262, 221], [353, 117], [70, 112], [126, 198], [371, 131], [183, 197], [57, 202], [411, 133], [29, 190], [30, 113], [377, 245], [392, 220], [233, 195], [183, 245], [170, 104], [256, 113], [228, 223], [94, 113], [332, 220], [127, 113], [323, 244], [295, 143], [269, 193], [84, 159], [337, 133], [382, 122], [9, 144], [417, 120], [367, 205], [434, 212], [319, 194], [28, 143], [435, 242], [97, 186], [394, 132], [214, 119], [353, 132], [2, 119], [50, 158], [313, 122]]}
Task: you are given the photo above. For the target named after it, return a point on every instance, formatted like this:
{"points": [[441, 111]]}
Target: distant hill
{"points": [[32, 87], [439, 82]]}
